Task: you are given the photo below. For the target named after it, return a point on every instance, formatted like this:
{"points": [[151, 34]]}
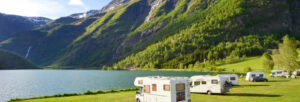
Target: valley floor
{"points": [[276, 90]]}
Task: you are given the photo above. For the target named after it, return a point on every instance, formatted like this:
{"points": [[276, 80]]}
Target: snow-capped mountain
{"points": [[10, 24], [38, 21], [84, 15]]}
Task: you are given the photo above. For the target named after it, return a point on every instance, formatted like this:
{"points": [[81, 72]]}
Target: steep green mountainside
{"points": [[10, 60], [161, 33], [229, 28]]}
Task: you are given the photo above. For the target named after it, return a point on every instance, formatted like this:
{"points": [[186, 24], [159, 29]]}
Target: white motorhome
{"points": [[296, 72], [233, 78], [280, 73], [209, 84], [162, 89], [255, 74]]}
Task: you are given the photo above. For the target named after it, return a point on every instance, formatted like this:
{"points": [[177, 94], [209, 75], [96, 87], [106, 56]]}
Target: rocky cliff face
{"points": [[113, 4]]}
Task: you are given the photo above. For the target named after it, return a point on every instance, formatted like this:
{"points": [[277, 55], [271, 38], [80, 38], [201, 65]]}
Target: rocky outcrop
{"points": [[113, 4]]}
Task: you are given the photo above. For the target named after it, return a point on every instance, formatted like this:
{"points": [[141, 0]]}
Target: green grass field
{"points": [[276, 90], [254, 62]]}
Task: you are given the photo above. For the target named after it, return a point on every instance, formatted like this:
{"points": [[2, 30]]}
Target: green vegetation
{"points": [[9, 60], [288, 55], [208, 41], [277, 89], [268, 62]]}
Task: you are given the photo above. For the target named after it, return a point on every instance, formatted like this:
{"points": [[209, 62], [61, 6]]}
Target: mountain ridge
{"points": [[161, 33], [10, 24]]}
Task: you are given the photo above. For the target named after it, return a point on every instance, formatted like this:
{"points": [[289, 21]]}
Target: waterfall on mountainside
{"points": [[28, 51]]}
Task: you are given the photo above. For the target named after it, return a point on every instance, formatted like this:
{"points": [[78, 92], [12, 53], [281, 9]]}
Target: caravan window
{"points": [[232, 78], [196, 83], [166, 87], [146, 88], [261, 75], [203, 82], [279, 72], [214, 81], [180, 87], [153, 87], [253, 75]]}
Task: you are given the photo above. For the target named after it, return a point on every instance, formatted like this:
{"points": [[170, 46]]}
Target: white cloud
{"points": [[31, 7], [78, 3]]}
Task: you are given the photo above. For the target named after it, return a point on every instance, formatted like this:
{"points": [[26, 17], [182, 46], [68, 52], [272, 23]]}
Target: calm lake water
{"points": [[30, 83]]}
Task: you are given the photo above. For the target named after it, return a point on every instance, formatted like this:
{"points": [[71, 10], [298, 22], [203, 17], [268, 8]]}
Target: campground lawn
{"points": [[276, 90]]}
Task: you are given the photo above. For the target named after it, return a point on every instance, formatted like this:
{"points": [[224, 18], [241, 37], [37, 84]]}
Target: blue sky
{"points": [[49, 8]]}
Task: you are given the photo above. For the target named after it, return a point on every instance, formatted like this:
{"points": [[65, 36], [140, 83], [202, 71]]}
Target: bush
{"points": [[247, 69]]}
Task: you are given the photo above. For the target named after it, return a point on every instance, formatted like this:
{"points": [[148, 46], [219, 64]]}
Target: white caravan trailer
{"points": [[233, 78], [209, 84], [255, 74], [280, 73], [162, 89]]}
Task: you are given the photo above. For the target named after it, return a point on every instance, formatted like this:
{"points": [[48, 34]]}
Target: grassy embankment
{"points": [[277, 90]]}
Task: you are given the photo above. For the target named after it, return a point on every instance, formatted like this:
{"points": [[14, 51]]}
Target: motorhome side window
{"points": [[140, 82], [214, 81], [279, 72], [203, 82], [232, 78], [261, 75], [146, 88], [166, 87], [154, 87], [196, 83]]}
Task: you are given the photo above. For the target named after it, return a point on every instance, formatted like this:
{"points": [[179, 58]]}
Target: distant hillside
{"points": [[10, 24], [161, 33], [9, 60]]}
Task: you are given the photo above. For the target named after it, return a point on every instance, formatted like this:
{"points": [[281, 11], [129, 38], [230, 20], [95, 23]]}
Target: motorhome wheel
{"points": [[209, 92]]}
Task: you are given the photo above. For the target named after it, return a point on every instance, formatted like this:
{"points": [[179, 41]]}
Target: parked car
{"points": [[259, 79]]}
